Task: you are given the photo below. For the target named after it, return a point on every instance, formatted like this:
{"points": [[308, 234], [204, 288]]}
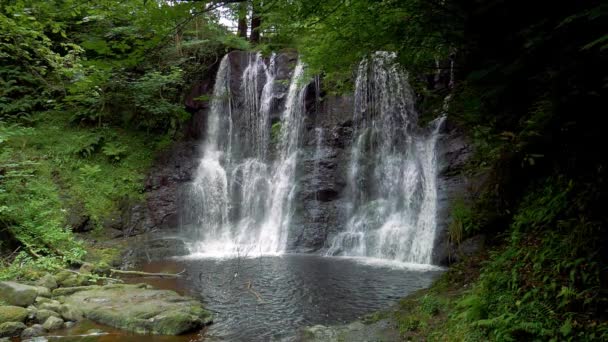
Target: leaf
{"points": [[566, 328]]}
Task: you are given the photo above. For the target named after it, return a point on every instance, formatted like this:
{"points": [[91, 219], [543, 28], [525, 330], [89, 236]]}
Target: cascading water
{"points": [[240, 200], [392, 173]]}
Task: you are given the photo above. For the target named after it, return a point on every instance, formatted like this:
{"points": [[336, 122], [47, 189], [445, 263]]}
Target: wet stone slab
{"points": [[139, 309]]}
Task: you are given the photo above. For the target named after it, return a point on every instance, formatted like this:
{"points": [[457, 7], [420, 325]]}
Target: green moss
{"points": [[275, 132], [12, 314]]}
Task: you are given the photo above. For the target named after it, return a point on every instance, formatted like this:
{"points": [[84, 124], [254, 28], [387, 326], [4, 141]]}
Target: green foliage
{"points": [[464, 222], [333, 36], [114, 151], [48, 168], [545, 284], [275, 133], [157, 101]]}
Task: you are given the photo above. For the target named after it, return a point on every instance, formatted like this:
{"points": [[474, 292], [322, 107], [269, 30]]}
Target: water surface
{"points": [[271, 298]]}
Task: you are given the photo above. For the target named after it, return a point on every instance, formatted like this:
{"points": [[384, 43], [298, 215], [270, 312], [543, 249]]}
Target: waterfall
{"points": [[240, 202], [392, 189]]}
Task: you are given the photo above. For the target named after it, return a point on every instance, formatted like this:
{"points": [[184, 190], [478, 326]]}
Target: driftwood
{"points": [[93, 276], [250, 289], [148, 274]]}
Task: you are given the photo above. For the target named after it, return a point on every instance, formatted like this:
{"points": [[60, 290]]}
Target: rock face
{"points": [[17, 294], [323, 167], [453, 184], [139, 309], [320, 204]]}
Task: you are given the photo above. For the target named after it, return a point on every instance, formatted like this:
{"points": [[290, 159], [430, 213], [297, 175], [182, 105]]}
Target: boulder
{"points": [[43, 291], [33, 331], [10, 329], [12, 314], [66, 291], [43, 315], [139, 309], [53, 323], [51, 305], [47, 281], [71, 313], [69, 279], [17, 294]]}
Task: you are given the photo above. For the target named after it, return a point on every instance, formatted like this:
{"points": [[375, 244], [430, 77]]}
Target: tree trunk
{"points": [[256, 22], [242, 24]]}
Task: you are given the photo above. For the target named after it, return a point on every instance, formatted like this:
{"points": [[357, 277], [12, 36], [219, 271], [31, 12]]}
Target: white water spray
{"points": [[392, 173]]}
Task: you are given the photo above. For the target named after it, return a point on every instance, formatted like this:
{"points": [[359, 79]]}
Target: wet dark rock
{"points": [[153, 246], [453, 183], [321, 198], [79, 220]]}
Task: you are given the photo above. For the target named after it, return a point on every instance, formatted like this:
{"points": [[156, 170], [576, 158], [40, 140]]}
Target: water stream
{"points": [[240, 200], [392, 173]]}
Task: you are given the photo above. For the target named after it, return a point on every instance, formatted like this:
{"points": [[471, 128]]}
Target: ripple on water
{"points": [[270, 298]]}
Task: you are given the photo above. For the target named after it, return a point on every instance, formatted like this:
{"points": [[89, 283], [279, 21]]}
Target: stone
{"points": [[86, 268], [53, 323], [12, 314], [69, 279], [79, 220], [40, 300], [138, 309], [43, 291], [71, 313], [33, 331], [47, 281], [31, 312], [11, 329], [52, 305], [383, 330], [17, 294], [66, 291], [43, 315]]}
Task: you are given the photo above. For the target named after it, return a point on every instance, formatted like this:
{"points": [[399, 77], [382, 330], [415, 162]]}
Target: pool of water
{"points": [[271, 298]]}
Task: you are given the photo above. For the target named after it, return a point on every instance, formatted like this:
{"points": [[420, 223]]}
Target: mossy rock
{"points": [[53, 323], [139, 309], [47, 281], [11, 329], [33, 331], [17, 294], [12, 314], [43, 315], [69, 279], [51, 305]]}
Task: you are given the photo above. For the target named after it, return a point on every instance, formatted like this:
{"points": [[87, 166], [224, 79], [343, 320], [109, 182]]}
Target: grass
{"points": [[51, 167]]}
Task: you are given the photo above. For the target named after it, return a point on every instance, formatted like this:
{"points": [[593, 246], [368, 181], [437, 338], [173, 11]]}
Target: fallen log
{"points": [[148, 274]]}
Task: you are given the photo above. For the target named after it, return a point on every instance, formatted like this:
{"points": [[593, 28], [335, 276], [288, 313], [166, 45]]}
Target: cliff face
{"points": [[320, 204]]}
